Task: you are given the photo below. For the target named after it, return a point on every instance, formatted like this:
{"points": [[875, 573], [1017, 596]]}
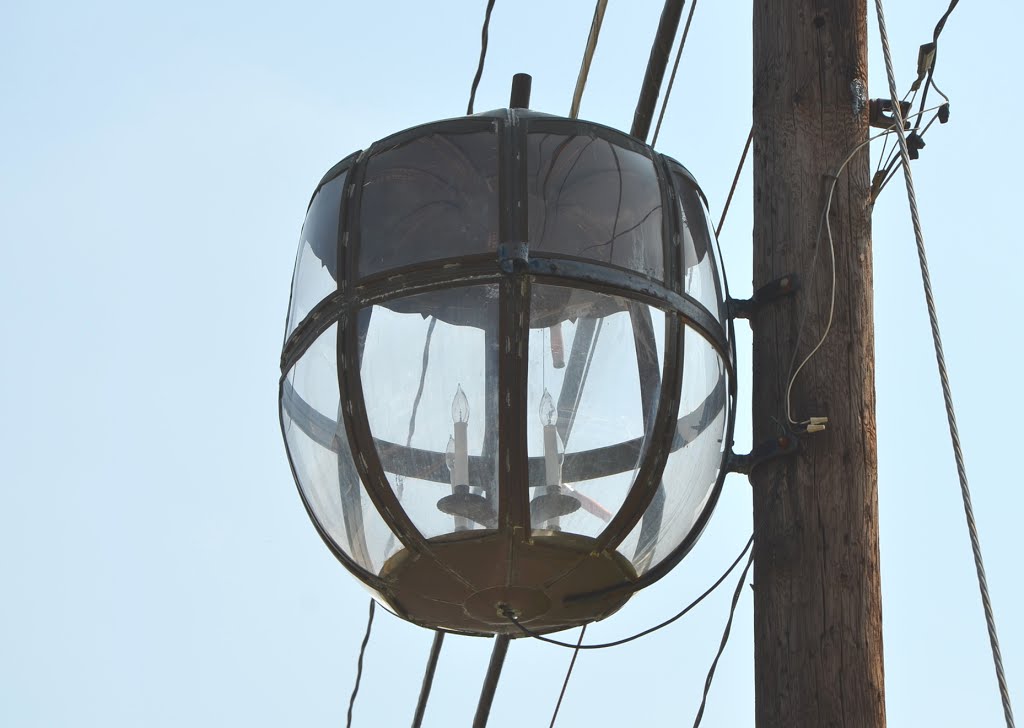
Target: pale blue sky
{"points": [[158, 568]]}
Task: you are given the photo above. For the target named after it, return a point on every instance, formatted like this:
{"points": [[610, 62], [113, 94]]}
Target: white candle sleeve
{"points": [[460, 473], [552, 466]]}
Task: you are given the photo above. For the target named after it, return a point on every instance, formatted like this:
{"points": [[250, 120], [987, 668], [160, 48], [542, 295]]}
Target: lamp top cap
{"points": [[522, 83]]}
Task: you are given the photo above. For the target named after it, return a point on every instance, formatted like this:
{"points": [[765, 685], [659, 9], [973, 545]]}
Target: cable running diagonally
{"points": [[672, 76], [735, 181], [359, 664], [725, 639], [483, 56], [568, 674], [588, 57], [940, 359]]}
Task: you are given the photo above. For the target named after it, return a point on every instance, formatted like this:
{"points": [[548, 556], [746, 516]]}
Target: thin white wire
{"points": [[940, 360], [824, 222]]}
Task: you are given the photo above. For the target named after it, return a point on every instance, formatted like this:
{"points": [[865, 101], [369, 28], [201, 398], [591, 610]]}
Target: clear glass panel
{"points": [[590, 400], [431, 198], [694, 462], [700, 271], [323, 462], [316, 265], [429, 373], [590, 198]]}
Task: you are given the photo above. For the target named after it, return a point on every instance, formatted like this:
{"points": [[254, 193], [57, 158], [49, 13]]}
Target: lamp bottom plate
{"points": [[467, 580]]}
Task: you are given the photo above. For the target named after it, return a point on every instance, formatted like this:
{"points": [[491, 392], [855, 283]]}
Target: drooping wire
{"points": [[672, 76], [725, 639], [483, 56], [568, 674], [940, 359], [588, 56], [824, 223], [510, 615], [359, 664]]}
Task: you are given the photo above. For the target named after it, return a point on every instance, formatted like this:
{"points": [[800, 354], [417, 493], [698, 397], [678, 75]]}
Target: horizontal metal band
{"points": [[479, 270]]}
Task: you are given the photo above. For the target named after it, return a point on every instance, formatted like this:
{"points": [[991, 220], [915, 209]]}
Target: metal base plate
{"points": [[474, 575]]}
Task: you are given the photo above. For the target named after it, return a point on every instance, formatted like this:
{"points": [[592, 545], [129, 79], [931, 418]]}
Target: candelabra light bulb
{"points": [[460, 406], [548, 412]]}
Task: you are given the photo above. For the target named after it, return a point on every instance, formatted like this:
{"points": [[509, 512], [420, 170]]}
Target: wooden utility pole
{"points": [[817, 597]]}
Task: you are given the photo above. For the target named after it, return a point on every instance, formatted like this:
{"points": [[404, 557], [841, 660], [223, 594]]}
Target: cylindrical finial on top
{"points": [[521, 85]]}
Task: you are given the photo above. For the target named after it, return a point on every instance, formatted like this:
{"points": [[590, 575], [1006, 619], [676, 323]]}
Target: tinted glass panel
{"points": [[590, 198], [430, 198], [699, 262], [429, 372], [595, 365], [316, 263]]}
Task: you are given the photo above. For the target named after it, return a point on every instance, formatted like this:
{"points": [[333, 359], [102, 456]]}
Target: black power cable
{"points": [[725, 639], [930, 81], [893, 163], [359, 664], [483, 56], [510, 615]]}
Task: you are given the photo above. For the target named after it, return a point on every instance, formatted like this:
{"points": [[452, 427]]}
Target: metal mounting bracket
{"points": [[767, 450], [745, 308], [881, 116]]}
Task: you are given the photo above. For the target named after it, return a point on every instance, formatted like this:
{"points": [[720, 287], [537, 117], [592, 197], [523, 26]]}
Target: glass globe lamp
{"points": [[507, 377]]}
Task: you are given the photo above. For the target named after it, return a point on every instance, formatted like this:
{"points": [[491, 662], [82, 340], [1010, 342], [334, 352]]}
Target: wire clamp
{"points": [[881, 116], [745, 308], [768, 450]]}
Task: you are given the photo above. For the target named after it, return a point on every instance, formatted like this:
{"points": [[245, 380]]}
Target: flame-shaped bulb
{"points": [[548, 412], [460, 406]]}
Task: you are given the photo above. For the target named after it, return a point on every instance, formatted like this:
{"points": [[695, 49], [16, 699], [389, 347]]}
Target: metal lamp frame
{"points": [[515, 269]]}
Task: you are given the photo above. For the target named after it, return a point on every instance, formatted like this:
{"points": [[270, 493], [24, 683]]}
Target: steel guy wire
{"points": [[940, 359]]}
